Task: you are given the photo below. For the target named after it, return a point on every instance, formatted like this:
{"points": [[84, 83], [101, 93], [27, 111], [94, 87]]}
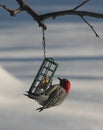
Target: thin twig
{"points": [[90, 26], [80, 5], [5, 7], [12, 12]]}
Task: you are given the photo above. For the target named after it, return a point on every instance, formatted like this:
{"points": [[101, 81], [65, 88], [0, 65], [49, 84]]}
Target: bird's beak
{"points": [[59, 79]]}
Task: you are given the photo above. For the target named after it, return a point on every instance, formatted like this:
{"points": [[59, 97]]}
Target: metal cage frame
{"points": [[47, 69]]}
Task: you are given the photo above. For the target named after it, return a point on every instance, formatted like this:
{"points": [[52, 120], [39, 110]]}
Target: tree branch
{"points": [[31, 12], [90, 26], [12, 12], [25, 7], [70, 12], [81, 4], [40, 18]]}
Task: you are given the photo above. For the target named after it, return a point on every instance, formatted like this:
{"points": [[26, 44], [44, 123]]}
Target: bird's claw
{"points": [[40, 109]]}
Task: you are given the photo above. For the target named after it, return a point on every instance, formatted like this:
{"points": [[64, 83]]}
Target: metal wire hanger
{"points": [[44, 43]]}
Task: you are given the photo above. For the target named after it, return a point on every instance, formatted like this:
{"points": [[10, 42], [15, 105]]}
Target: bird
{"points": [[55, 95]]}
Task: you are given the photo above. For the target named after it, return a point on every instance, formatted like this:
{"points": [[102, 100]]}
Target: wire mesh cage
{"points": [[44, 76]]}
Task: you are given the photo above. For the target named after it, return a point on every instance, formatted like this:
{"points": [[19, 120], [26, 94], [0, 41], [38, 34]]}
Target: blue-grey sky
{"points": [[79, 55], [54, 2]]}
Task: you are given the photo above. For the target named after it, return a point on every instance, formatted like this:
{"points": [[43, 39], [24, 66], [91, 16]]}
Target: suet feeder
{"points": [[44, 76]]}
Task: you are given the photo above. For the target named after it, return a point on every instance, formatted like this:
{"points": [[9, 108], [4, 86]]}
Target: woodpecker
{"points": [[55, 95]]}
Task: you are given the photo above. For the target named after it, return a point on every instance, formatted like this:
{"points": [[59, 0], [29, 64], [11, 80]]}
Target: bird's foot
{"points": [[40, 109]]}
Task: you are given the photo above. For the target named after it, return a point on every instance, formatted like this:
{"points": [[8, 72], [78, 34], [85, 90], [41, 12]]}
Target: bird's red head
{"points": [[65, 84], [68, 85]]}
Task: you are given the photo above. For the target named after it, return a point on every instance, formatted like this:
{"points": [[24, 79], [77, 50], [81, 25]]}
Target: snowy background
{"points": [[79, 55]]}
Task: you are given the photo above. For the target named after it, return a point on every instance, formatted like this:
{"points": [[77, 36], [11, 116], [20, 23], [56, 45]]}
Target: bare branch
{"points": [[81, 4], [40, 18], [31, 12], [12, 12], [90, 26], [70, 12], [25, 7]]}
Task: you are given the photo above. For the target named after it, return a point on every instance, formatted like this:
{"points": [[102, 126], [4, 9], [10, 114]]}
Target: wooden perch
{"points": [[23, 6]]}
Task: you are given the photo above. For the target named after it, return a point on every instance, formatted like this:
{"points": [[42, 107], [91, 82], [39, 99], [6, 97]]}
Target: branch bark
{"points": [[23, 6], [70, 12]]}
